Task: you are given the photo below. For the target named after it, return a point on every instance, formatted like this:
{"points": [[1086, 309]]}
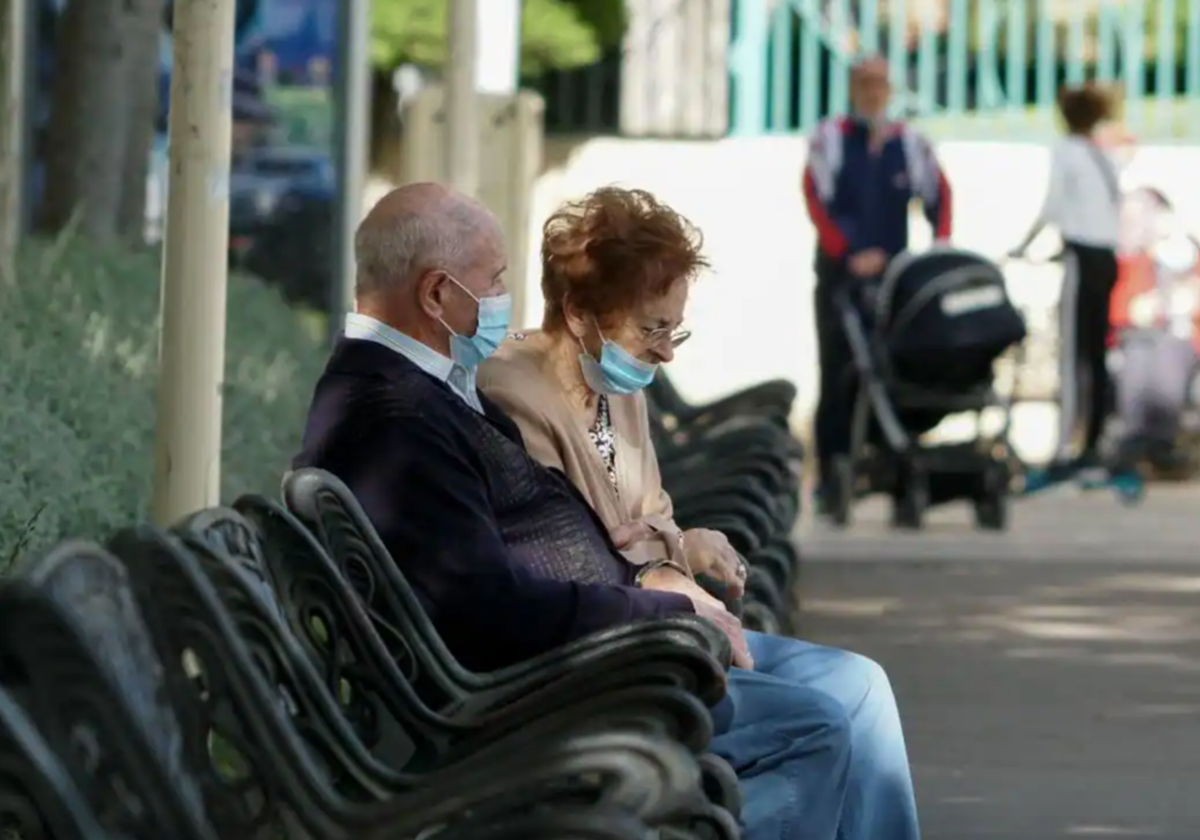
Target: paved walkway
{"points": [[1049, 677]]}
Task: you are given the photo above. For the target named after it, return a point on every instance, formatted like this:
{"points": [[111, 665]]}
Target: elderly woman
{"points": [[616, 271], [575, 388]]}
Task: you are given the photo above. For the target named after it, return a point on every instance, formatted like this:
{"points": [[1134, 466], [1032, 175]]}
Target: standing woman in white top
{"points": [[1084, 202]]}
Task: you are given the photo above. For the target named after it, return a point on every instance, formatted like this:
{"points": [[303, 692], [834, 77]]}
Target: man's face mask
{"points": [[495, 315]]}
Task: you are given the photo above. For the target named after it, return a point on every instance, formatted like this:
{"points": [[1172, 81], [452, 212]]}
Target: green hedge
{"points": [[78, 367]]}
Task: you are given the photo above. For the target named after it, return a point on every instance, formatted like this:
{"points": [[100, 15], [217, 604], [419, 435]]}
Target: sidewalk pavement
{"points": [[1049, 677]]}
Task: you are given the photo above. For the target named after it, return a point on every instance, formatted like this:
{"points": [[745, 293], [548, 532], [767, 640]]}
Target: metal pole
{"points": [[352, 125], [187, 462], [462, 103], [14, 62]]}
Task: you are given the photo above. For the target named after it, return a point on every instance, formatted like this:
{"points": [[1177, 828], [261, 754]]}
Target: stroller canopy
{"points": [[944, 316]]}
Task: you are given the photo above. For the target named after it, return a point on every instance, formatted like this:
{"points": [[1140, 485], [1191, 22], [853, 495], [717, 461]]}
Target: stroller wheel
{"points": [[991, 512], [911, 500], [991, 506], [841, 496]]}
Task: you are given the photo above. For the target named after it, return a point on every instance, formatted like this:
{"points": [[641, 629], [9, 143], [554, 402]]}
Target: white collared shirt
{"points": [[460, 379]]}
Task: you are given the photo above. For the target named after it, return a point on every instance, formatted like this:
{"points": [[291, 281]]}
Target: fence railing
{"points": [[668, 79], [963, 68], [968, 68]]}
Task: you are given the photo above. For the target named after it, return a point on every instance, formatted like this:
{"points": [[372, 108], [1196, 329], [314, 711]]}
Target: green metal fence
{"points": [[968, 69]]}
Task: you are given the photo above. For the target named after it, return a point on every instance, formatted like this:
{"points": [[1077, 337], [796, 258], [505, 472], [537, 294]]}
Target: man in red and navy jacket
{"points": [[862, 173]]}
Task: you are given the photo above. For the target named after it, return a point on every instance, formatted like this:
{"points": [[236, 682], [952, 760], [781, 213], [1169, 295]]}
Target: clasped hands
{"points": [[868, 263], [706, 552], [709, 550]]}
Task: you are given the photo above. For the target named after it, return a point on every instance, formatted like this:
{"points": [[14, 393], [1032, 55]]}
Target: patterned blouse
{"points": [[605, 439]]}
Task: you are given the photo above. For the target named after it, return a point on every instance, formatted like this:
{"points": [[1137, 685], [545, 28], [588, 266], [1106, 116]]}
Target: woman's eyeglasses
{"points": [[664, 335]]}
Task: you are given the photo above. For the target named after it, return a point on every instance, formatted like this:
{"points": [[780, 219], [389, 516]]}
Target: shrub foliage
{"points": [[79, 346]]}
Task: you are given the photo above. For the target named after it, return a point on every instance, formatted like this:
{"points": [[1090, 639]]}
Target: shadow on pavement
{"points": [[1050, 699]]}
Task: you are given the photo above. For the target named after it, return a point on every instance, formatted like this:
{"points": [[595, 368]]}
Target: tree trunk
{"points": [[91, 117], [144, 25], [12, 131]]}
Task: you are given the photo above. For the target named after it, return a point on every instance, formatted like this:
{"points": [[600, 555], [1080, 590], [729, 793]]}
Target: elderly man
{"points": [[862, 173], [509, 560]]}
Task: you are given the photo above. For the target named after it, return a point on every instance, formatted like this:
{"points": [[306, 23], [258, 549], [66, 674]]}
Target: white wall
{"points": [[752, 317]]}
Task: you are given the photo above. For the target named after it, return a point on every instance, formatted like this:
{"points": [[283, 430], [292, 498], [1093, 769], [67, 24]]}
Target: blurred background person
{"points": [[862, 173], [1083, 201]]}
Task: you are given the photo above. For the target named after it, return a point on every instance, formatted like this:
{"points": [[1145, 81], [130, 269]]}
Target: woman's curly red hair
{"points": [[612, 250]]}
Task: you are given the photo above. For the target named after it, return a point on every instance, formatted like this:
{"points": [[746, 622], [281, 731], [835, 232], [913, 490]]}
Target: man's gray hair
{"points": [[392, 247]]}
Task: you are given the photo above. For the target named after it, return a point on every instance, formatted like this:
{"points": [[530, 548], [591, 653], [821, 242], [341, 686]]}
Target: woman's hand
{"points": [[666, 579], [706, 552], [709, 553]]}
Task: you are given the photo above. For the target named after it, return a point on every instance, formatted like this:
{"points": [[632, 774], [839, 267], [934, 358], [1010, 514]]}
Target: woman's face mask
{"points": [[617, 371], [653, 332]]}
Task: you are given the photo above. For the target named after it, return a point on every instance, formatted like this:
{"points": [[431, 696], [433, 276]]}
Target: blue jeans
{"points": [[815, 737]]}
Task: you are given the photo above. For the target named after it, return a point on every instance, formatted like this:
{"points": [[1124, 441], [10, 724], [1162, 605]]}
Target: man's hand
{"points": [[706, 606], [709, 553], [868, 263]]}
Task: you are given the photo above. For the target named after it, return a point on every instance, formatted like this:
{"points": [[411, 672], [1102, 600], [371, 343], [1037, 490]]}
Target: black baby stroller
{"points": [[924, 339]]}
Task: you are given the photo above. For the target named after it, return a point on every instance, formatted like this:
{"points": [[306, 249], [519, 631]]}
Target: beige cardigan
{"points": [[519, 379]]}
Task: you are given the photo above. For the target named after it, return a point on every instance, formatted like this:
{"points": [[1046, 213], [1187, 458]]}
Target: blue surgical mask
{"points": [[618, 372], [495, 316]]}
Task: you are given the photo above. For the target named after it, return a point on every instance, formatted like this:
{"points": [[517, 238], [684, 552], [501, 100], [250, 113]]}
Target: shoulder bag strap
{"points": [[1107, 171]]}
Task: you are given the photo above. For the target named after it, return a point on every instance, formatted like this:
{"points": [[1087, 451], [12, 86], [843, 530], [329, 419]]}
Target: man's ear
{"points": [[431, 291]]}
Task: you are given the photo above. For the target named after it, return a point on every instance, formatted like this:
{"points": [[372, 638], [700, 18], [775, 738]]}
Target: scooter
{"points": [[1128, 484]]}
